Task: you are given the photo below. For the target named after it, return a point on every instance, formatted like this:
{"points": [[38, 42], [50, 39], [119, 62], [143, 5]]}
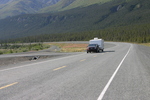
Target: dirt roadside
{"points": [[29, 56]]}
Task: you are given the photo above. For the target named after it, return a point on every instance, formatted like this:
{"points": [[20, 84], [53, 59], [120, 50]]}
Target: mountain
{"points": [[10, 8], [70, 4], [115, 13], [5, 1]]}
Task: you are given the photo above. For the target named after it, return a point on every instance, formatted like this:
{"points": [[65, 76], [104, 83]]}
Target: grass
{"points": [[65, 47], [7, 49], [70, 47], [145, 44]]}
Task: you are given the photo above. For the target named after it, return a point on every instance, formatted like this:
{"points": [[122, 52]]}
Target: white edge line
{"points": [[39, 62], [112, 77]]}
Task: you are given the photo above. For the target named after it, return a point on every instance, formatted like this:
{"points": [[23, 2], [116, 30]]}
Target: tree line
{"points": [[133, 33]]}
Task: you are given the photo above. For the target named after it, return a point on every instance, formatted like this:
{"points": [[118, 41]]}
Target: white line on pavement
{"points": [[112, 77]]}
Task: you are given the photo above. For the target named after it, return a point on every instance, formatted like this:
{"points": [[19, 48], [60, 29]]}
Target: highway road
{"points": [[121, 72]]}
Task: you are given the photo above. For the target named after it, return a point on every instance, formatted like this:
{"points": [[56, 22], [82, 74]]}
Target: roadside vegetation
{"points": [[70, 47], [145, 44], [16, 48], [65, 47]]}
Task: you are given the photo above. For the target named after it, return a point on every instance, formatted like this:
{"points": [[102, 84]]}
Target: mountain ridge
{"points": [[9, 8], [5, 1], [65, 5]]}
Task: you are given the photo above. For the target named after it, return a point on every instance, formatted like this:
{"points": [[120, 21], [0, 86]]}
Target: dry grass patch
{"points": [[70, 47], [146, 44]]}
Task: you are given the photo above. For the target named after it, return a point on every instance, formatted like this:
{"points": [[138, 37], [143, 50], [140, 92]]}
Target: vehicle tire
{"points": [[97, 51]]}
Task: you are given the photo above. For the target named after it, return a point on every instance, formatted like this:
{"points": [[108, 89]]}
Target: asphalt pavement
{"points": [[121, 72]]}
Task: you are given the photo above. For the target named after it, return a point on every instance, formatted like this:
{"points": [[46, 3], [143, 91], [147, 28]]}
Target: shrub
{"points": [[1, 52]]}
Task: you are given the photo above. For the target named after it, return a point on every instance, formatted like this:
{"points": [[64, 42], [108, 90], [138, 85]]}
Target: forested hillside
{"points": [[133, 33], [118, 20]]}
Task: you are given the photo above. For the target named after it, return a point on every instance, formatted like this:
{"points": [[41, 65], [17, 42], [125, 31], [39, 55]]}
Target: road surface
{"points": [[121, 72]]}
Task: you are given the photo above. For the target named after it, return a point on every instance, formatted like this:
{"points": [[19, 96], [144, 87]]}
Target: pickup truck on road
{"points": [[95, 45]]}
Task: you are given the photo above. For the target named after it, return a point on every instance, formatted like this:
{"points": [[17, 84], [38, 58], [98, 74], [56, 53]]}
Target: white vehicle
{"points": [[99, 42]]}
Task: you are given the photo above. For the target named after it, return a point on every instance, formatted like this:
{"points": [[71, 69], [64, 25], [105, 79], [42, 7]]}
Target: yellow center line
{"points": [[95, 56], [82, 60], [59, 68], [8, 85]]}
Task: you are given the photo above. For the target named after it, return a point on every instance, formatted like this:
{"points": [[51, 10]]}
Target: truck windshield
{"points": [[92, 44]]}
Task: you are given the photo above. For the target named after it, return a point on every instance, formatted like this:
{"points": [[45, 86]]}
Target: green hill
{"points": [[123, 16]]}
